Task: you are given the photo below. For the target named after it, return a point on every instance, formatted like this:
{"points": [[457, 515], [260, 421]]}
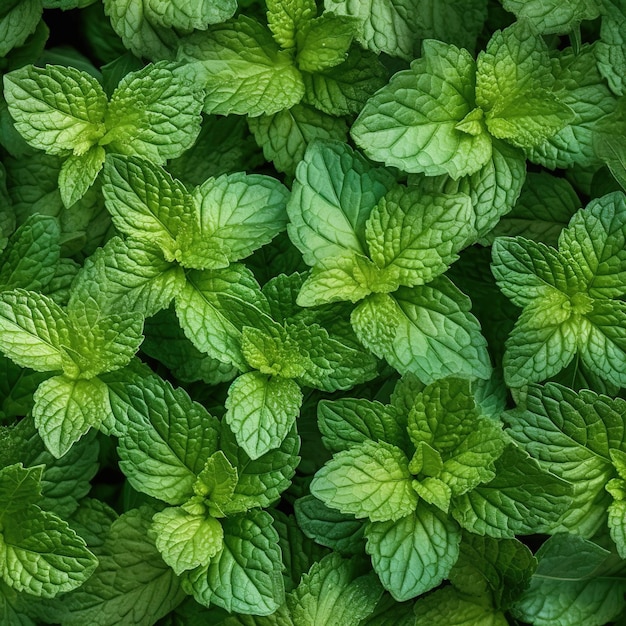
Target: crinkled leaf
{"points": [[17, 21], [19, 488], [370, 479], [554, 16], [186, 15], [78, 173], [56, 109], [415, 553]]}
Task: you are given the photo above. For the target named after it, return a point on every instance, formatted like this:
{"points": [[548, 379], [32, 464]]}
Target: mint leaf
{"points": [[260, 410], [415, 553], [164, 437], [34, 329], [427, 139], [216, 484], [285, 19], [426, 330], [336, 190], [19, 488], [367, 480], [610, 50], [186, 541], [245, 576], [185, 15], [56, 109], [553, 16], [242, 69], [154, 112], [17, 21], [78, 173], [41, 554], [418, 235], [145, 202], [65, 409]]}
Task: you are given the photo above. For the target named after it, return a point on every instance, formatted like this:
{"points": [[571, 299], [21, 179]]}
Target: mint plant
{"points": [[312, 312]]}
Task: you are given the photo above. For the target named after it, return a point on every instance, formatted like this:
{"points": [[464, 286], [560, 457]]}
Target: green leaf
{"points": [[522, 499], [286, 18], [500, 568], [132, 582], [612, 151], [242, 69], [146, 203], [185, 16], [617, 515], [368, 480], [350, 421], [33, 330], [571, 435], [275, 353], [594, 243], [407, 125], [418, 235], [164, 437], [186, 541], [325, 42], [335, 191], [19, 488], [426, 330], [17, 21], [215, 305], [216, 484], [383, 26], [444, 416], [328, 526], [154, 113], [245, 576], [451, 607], [611, 49], [415, 553], [553, 16], [513, 87], [334, 591], [41, 554], [238, 213], [65, 409], [78, 173], [56, 109], [576, 582], [31, 257], [285, 135], [260, 410]]}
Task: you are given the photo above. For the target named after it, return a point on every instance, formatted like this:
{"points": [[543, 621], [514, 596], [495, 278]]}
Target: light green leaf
{"points": [[522, 499], [164, 437], [553, 16], [17, 21], [78, 173], [406, 124], [595, 244], [41, 555], [19, 488], [242, 69], [611, 150], [146, 203], [238, 213], [215, 305], [334, 591], [260, 410], [349, 421], [245, 576], [325, 42], [184, 15], [335, 191], [543, 341], [186, 541], [344, 89], [216, 484], [128, 275], [275, 353], [571, 435], [384, 26], [576, 582], [415, 553], [65, 409], [611, 49], [367, 480], [154, 113], [426, 330], [285, 135], [453, 608], [132, 582], [56, 109], [416, 234], [33, 330], [286, 17]]}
